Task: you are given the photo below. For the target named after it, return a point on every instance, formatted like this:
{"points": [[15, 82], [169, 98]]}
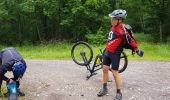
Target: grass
{"points": [[159, 52], [62, 50], [153, 51], [45, 51], [156, 51]]}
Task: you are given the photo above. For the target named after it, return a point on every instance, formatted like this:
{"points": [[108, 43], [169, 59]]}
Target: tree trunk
{"points": [[36, 22], [38, 32], [19, 29], [113, 4], [160, 30]]}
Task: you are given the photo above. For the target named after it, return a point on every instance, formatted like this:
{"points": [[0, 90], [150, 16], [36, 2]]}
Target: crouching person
{"points": [[13, 62]]}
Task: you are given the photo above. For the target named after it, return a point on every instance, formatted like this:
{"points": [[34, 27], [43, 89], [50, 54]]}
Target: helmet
{"points": [[119, 14], [18, 68]]}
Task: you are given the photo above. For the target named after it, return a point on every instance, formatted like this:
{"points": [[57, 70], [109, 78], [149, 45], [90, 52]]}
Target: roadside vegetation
{"points": [[62, 50]]}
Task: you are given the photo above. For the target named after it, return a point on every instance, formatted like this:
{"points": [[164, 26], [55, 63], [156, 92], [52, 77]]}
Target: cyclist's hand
{"points": [[140, 53], [19, 78], [10, 81]]}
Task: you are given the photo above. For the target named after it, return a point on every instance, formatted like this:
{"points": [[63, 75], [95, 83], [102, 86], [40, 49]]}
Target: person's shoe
{"points": [[118, 96], [20, 93], [103, 91]]}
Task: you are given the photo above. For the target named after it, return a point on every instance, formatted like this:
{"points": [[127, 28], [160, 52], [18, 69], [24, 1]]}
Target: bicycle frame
{"points": [[95, 65], [98, 62]]}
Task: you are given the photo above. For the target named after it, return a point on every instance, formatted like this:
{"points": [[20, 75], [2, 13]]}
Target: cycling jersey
{"points": [[117, 38]]}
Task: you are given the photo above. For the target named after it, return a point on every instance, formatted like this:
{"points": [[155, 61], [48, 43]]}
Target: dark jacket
{"points": [[8, 57]]}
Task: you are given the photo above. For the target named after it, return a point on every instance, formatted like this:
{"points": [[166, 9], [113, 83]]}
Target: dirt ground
{"points": [[65, 80]]}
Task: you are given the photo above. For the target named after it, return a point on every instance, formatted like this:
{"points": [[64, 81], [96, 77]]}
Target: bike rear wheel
{"points": [[82, 53], [123, 62]]}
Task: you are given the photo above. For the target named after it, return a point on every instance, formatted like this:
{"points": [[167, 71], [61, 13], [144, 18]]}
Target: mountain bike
{"points": [[12, 90], [82, 54]]}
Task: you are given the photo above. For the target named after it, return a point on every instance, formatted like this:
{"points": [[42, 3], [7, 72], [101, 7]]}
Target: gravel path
{"points": [[64, 80]]}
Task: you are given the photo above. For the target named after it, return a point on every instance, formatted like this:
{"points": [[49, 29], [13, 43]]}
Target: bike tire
{"points": [[124, 63], [77, 49], [13, 96]]}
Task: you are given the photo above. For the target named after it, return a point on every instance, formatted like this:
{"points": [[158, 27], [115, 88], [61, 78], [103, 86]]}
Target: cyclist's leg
{"points": [[104, 90], [117, 79], [17, 86], [115, 66], [106, 63], [105, 73]]}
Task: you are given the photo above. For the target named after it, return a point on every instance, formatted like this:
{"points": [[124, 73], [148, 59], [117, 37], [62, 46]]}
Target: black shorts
{"points": [[112, 59]]}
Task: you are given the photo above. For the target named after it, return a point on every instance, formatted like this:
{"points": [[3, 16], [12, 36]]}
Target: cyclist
{"points": [[11, 60], [118, 37]]}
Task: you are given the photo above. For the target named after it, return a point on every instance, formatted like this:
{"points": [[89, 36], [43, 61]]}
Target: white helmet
{"points": [[119, 14]]}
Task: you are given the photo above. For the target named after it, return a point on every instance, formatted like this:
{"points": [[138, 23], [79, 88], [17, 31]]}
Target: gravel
{"points": [[65, 80]]}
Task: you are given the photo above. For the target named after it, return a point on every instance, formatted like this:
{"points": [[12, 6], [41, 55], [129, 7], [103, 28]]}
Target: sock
{"points": [[105, 85], [118, 91]]}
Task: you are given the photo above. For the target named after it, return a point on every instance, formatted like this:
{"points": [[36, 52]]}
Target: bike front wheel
{"points": [[82, 53]]}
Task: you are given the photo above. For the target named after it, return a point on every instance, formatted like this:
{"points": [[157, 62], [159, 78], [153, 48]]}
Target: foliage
{"points": [[144, 38], [45, 20], [96, 38], [153, 51]]}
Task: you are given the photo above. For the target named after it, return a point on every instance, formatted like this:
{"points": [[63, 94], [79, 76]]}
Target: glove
{"points": [[140, 53]]}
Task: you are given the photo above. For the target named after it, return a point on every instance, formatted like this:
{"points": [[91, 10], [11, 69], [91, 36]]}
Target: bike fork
{"points": [[83, 54]]}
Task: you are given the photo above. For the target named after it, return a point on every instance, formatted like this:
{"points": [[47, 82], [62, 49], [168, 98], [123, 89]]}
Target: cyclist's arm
{"points": [[132, 42], [2, 74]]}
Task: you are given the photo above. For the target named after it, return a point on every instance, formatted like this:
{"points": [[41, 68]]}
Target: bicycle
{"points": [[12, 90], [82, 54]]}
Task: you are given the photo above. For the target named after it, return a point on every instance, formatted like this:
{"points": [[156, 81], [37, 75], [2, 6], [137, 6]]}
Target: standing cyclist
{"points": [[118, 37], [12, 61]]}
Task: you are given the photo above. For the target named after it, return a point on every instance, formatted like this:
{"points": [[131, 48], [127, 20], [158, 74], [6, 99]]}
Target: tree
{"points": [[48, 20], [156, 19]]}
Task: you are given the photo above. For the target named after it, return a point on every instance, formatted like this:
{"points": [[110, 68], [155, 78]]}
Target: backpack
{"points": [[127, 43]]}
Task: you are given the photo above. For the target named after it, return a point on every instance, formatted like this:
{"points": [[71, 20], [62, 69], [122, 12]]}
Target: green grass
{"points": [[45, 51], [63, 51], [155, 51], [159, 52], [141, 37]]}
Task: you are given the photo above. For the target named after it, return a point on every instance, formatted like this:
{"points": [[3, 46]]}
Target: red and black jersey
{"points": [[118, 36]]}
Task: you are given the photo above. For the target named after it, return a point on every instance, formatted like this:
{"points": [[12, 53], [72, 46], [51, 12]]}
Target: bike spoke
{"points": [[82, 53]]}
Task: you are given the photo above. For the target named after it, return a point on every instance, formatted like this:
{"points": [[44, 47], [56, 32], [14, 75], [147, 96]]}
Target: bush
{"points": [[141, 37], [96, 38], [168, 40]]}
